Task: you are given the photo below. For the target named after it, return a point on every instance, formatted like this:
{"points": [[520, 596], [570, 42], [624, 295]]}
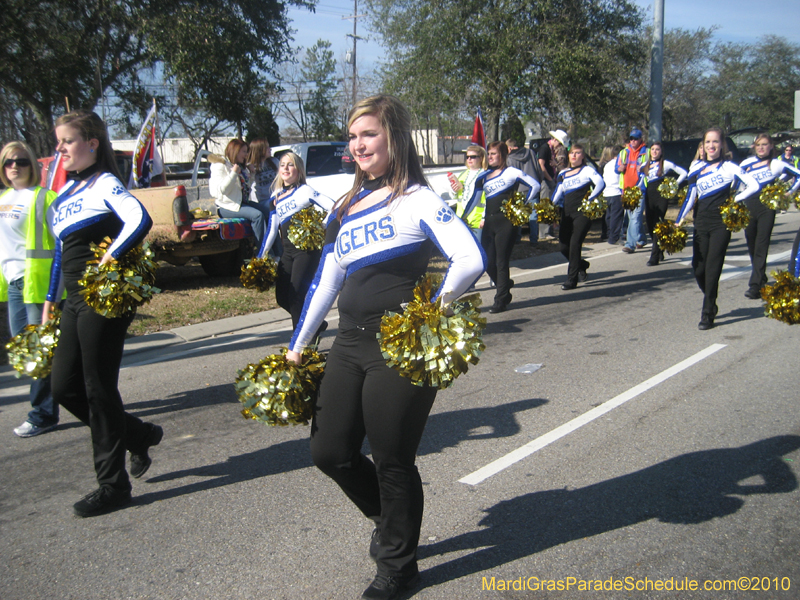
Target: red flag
{"points": [[478, 133]]}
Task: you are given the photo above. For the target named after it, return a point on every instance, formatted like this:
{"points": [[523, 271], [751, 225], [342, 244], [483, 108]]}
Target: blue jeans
{"points": [[44, 412], [636, 230], [257, 214]]}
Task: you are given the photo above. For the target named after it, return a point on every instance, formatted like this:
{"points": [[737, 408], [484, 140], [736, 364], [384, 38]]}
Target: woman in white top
{"points": [[571, 187], [710, 180], [229, 185], [27, 249], [654, 170], [615, 214], [766, 169], [290, 195]]}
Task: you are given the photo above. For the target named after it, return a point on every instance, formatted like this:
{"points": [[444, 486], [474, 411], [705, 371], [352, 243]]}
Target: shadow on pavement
{"points": [[688, 489]]}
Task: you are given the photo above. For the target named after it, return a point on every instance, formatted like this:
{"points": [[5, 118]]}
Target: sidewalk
{"points": [[279, 318]]}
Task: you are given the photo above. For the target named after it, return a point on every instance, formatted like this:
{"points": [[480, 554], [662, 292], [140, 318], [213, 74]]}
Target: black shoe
{"points": [[583, 275], [570, 285], [141, 462], [498, 308], [705, 323], [101, 501], [374, 544], [389, 588], [753, 294], [653, 262]]}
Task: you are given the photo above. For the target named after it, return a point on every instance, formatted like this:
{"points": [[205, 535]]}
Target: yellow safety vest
{"points": [[40, 249]]}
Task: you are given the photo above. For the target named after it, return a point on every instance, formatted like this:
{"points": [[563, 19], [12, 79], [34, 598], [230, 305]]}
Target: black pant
{"points": [[614, 216], [655, 211], [498, 239], [361, 396], [709, 248], [574, 227], [296, 271], [757, 234], [84, 381]]}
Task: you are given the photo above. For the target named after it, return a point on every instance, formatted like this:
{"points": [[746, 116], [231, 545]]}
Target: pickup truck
{"points": [[185, 224]]}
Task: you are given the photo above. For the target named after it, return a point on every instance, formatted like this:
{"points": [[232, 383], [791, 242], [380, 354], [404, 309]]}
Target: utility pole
{"points": [[355, 16], [657, 72]]}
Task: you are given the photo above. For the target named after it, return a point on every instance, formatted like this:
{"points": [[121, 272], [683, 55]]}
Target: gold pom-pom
{"points": [[631, 197], [516, 209], [774, 196], [259, 274], [680, 196], [276, 391], [735, 215], [117, 288], [429, 345], [782, 299], [547, 212], [668, 188], [306, 230], [594, 209], [796, 199], [671, 238], [31, 350]]}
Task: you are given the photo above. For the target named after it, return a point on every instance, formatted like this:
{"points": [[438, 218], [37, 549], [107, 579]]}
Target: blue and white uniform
{"points": [[282, 209], [87, 359], [655, 204], [379, 255], [709, 188], [103, 207], [499, 235], [758, 232], [571, 187], [377, 258], [296, 267]]}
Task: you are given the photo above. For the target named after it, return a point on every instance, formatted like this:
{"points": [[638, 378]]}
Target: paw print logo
{"points": [[117, 190], [444, 215]]}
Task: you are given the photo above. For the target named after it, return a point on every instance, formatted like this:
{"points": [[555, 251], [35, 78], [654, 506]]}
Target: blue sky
{"points": [[737, 21]]}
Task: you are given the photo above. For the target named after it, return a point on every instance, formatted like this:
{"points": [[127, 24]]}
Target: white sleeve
{"points": [[671, 166], [135, 220], [326, 286], [751, 186], [597, 179], [466, 259]]}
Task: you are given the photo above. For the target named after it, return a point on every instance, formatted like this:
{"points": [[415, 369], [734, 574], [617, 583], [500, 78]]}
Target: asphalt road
{"points": [[638, 452]]}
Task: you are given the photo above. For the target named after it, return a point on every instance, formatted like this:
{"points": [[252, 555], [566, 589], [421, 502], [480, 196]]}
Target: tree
{"points": [[512, 55], [216, 52], [318, 70]]}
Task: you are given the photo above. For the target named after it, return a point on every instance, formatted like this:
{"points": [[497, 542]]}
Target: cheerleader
{"points": [[290, 195], [571, 186], [499, 235], [765, 169], [93, 205], [710, 181], [653, 172], [389, 223]]}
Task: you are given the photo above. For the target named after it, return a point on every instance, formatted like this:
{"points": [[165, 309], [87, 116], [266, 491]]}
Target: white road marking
{"points": [[517, 455]]}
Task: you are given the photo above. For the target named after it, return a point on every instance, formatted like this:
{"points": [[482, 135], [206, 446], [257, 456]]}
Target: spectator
{"points": [[612, 194], [263, 168], [627, 167], [27, 249], [464, 184]]}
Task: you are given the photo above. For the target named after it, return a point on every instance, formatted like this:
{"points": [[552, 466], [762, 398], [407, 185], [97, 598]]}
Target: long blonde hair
{"points": [[404, 168], [479, 150], [21, 148], [277, 185]]}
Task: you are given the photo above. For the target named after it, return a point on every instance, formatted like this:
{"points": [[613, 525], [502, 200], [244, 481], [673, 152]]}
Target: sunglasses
{"points": [[20, 162], [469, 156]]}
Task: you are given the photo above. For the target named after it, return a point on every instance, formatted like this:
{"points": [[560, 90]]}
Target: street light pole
{"points": [[657, 72]]}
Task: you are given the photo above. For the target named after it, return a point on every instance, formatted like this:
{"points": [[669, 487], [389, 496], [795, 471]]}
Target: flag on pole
{"points": [[478, 132], [56, 174], [147, 162]]}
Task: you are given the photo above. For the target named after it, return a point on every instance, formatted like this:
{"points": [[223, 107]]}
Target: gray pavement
{"points": [[617, 464]]}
